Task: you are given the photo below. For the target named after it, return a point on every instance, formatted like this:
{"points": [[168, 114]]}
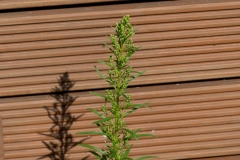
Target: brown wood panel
{"points": [[32, 30], [120, 10], [234, 157], [15, 4], [187, 51], [141, 147], [182, 41], [161, 142], [191, 120], [1, 141], [168, 133], [144, 80], [192, 37], [139, 37]]}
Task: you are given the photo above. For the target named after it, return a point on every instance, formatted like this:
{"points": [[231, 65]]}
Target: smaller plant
{"points": [[117, 104]]}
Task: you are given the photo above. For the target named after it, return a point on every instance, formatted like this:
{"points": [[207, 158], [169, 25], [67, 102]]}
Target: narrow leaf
{"points": [[132, 134], [95, 154], [91, 132], [128, 36], [124, 95], [98, 94], [146, 135], [127, 152], [99, 73], [106, 45], [93, 148], [139, 105], [103, 62], [136, 75], [96, 112], [136, 106], [113, 154], [102, 120], [146, 157]]}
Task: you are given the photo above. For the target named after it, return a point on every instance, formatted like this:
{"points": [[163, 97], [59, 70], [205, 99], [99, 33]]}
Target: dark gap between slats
{"points": [[79, 5], [133, 86]]}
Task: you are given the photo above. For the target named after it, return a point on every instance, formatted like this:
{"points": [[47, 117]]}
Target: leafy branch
{"points": [[117, 104]]}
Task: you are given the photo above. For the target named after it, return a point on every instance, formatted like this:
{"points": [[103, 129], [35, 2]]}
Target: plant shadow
{"points": [[62, 120]]}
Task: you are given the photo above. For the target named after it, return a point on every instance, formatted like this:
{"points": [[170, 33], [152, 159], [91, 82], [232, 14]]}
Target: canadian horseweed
{"points": [[117, 104]]}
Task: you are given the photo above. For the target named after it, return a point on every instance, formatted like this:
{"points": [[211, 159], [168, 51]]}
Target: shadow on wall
{"points": [[62, 119]]}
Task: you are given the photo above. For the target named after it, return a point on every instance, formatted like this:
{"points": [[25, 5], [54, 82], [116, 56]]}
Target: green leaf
{"points": [[102, 120], [136, 106], [93, 148], [128, 36], [127, 152], [96, 112], [113, 154], [95, 154], [146, 157], [125, 96], [103, 62], [106, 45], [99, 73], [146, 135], [129, 112], [106, 79], [135, 76], [99, 94], [139, 105], [132, 134], [91, 132]]}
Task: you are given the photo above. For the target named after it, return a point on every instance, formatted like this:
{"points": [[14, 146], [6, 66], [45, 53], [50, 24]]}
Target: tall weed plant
{"points": [[117, 104]]}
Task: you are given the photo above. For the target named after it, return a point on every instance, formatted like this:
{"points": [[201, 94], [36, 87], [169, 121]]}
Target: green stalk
{"points": [[118, 110], [112, 122]]}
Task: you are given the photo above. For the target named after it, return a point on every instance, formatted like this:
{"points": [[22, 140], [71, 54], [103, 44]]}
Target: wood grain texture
{"points": [[190, 50], [1, 141]]}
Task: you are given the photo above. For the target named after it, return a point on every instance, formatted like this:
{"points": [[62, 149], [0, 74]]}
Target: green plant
{"points": [[117, 102]]}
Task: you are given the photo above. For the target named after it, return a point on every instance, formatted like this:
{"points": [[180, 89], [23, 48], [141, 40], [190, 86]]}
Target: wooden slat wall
{"points": [[178, 45], [1, 141], [190, 120], [181, 42], [16, 4]]}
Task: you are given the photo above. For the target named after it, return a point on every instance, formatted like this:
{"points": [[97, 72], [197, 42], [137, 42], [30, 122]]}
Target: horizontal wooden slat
{"points": [[78, 109], [175, 132], [139, 37], [35, 17], [88, 62], [15, 4], [151, 79], [1, 141], [164, 125], [173, 155], [140, 150], [151, 52], [157, 142], [96, 43], [165, 91], [151, 70], [33, 29], [166, 117], [231, 157]]}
